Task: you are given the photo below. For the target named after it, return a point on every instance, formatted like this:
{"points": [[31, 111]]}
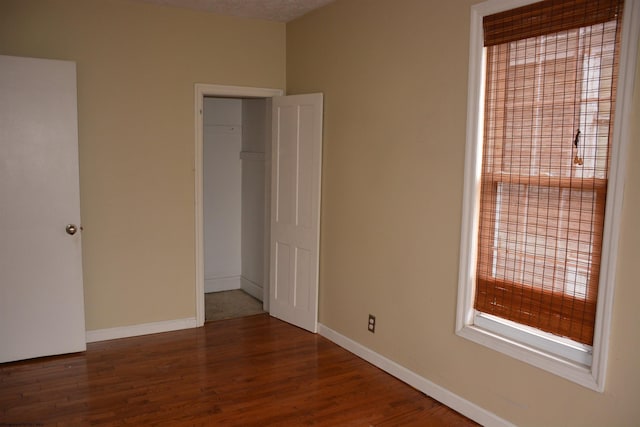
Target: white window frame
{"points": [[581, 364]]}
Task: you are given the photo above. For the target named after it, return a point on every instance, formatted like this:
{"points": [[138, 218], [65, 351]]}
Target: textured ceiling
{"points": [[271, 10]]}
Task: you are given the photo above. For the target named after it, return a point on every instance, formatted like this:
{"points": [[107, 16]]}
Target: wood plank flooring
{"points": [[251, 371]]}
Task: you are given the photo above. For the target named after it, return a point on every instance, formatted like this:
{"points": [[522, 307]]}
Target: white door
{"points": [[41, 294], [295, 209]]}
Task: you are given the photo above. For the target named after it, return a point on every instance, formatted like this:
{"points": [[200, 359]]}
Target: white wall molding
{"points": [[431, 389], [251, 288], [140, 329], [219, 284]]}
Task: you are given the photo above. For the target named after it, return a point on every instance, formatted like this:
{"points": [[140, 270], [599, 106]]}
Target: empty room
{"points": [[444, 197]]}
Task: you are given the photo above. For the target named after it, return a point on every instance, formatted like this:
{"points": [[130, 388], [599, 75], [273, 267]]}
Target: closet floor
{"points": [[230, 304]]}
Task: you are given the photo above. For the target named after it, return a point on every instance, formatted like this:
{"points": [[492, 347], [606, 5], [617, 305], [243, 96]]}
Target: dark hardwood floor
{"points": [[251, 371]]}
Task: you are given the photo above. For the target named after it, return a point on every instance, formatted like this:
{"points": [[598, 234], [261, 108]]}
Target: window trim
{"points": [[591, 376]]}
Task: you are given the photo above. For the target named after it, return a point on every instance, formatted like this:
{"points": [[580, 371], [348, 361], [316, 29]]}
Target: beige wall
{"points": [[137, 65], [394, 75]]}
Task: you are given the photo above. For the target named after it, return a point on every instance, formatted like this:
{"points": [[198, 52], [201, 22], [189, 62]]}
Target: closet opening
{"points": [[235, 209]]}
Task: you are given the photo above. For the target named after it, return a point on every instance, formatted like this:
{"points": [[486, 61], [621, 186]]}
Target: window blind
{"points": [[549, 103]]}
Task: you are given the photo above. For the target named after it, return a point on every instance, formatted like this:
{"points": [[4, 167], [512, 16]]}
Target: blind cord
{"points": [[577, 160]]}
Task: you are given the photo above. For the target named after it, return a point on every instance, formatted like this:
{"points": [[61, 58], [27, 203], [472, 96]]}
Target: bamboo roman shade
{"points": [[549, 103], [548, 17]]}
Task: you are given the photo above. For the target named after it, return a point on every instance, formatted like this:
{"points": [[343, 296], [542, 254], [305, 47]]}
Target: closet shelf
{"points": [[251, 155]]}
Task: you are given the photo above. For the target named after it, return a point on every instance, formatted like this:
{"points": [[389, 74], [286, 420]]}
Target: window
{"points": [[542, 155], [543, 189]]}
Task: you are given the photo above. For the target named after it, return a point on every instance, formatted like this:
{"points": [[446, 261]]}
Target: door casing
{"points": [[223, 91]]}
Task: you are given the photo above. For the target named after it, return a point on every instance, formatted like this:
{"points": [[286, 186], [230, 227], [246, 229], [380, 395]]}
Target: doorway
{"points": [[228, 103], [234, 144]]}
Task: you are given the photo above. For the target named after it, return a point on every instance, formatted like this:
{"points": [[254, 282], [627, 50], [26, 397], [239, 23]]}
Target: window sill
{"points": [[561, 366], [564, 348]]}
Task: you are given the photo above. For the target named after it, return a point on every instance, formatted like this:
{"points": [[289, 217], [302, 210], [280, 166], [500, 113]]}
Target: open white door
{"points": [[295, 209], [41, 294]]}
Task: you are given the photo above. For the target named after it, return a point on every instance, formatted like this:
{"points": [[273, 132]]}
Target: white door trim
{"points": [[202, 90]]}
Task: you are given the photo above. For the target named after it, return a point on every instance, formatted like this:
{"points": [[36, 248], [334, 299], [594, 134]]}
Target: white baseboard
{"points": [[468, 409], [219, 284], [252, 288], [140, 329]]}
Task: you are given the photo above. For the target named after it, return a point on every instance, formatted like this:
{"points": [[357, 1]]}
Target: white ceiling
{"points": [[271, 10]]}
